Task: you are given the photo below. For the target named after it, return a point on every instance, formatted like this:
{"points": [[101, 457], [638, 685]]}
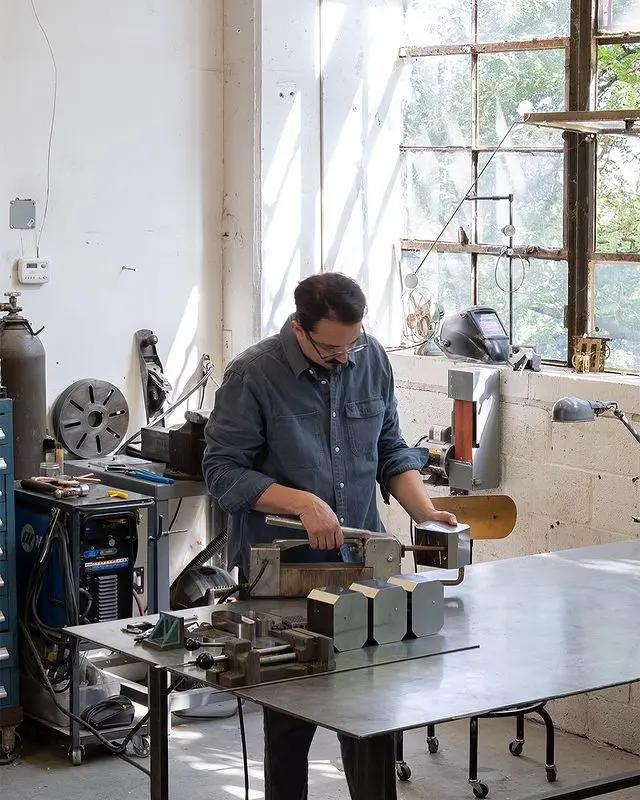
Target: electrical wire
{"points": [[524, 263], [175, 515], [466, 195], [245, 760], [224, 597], [138, 603], [51, 127]]}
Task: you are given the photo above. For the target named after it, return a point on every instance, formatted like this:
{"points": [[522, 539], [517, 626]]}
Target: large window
{"points": [[472, 68]]}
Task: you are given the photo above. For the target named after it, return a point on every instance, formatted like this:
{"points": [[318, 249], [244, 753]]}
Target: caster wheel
{"points": [[141, 746], [77, 755], [403, 771], [433, 744], [481, 790], [8, 757], [516, 748], [552, 774]]}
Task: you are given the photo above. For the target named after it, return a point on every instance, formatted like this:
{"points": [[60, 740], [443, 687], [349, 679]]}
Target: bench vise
{"points": [[295, 653]]}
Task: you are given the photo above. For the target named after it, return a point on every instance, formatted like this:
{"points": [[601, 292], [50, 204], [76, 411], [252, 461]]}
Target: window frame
{"points": [[579, 151]]}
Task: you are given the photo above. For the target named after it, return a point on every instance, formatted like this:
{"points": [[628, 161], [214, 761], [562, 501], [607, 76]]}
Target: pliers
{"points": [[143, 474]]}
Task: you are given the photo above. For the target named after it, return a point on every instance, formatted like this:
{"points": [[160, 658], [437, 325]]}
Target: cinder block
{"points": [[598, 446], [428, 372], [634, 695], [553, 490], [568, 537], [526, 432], [617, 694], [550, 385], [529, 537], [614, 723], [420, 409], [570, 714], [514, 385], [615, 503]]}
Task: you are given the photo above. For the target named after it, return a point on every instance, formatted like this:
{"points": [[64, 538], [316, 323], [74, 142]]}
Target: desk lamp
{"points": [[575, 409]]}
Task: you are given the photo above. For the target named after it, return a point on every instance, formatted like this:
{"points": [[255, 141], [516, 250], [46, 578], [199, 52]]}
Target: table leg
{"points": [[158, 721], [158, 558]]}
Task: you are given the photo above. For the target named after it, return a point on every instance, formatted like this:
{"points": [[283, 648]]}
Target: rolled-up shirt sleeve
{"points": [[235, 440], [394, 455]]}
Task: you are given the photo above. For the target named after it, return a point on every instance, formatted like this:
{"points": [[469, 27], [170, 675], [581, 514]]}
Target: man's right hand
{"points": [[322, 525]]}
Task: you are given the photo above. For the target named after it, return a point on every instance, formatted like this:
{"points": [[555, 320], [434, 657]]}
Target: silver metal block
{"points": [[340, 614], [387, 610], [383, 554], [269, 583], [425, 603], [453, 542]]}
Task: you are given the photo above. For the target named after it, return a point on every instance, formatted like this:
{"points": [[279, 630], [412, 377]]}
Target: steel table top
{"points": [[548, 626]]}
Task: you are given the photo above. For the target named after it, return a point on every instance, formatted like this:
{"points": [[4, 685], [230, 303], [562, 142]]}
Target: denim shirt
{"points": [[277, 419]]}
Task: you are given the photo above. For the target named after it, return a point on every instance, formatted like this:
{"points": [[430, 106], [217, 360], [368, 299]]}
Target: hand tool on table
{"points": [[51, 487], [142, 474]]}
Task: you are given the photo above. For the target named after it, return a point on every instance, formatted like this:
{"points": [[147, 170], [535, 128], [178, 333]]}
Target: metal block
{"points": [[269, 583], [425, 603], [340, 614], [387, 610], [453, 543], [383, 554]]}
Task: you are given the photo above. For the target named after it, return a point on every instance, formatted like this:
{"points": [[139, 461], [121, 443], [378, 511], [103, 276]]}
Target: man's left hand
{"points": [[444, 517]]}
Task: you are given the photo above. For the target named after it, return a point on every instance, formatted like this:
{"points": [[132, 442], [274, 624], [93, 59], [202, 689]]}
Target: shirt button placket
{"points": [[337, 444]]}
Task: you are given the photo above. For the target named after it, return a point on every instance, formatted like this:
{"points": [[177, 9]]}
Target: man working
{"points": [[305, 423]]}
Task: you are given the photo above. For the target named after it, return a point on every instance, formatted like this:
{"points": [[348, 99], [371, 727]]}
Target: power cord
{"points": [[245, 760], [51, 128]]}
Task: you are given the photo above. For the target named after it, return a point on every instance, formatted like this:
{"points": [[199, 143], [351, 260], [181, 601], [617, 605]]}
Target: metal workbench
{"points": [[158, 573], [548, 626]]}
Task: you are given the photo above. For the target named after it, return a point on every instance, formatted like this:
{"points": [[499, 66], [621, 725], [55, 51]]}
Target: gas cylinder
{"points": [[23, 374]]}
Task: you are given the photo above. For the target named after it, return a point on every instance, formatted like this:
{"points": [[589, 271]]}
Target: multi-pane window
{"points": [[471, 71], [473, 67]]}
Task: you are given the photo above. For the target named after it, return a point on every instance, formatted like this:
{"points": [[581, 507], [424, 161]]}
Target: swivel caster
{"points": [[552, 773], [77, 755], [433, 744], [141, 746], [516, 747], [480, 790], [10, 748], [403, 771]]}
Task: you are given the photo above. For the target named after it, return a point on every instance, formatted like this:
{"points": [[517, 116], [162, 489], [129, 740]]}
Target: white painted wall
{"points": [[574, 486], [136, 180]]}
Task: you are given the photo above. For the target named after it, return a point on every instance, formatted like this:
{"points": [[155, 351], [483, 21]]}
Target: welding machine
{"points": [[101, 545]]}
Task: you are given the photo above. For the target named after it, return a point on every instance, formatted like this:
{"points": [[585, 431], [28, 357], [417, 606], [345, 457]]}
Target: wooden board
{"points": [[297, 580], [489, 516]]}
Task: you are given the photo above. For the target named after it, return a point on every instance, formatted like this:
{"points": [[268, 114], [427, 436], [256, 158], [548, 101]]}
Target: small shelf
{"points": [[622, 123]]}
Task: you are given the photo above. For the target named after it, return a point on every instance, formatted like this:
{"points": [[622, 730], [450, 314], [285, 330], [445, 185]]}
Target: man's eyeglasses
{"points": [[361, 342]]}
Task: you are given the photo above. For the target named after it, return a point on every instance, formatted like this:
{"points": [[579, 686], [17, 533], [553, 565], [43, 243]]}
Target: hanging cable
{"points": [[51, 127], [466, 195], [245, 760]]}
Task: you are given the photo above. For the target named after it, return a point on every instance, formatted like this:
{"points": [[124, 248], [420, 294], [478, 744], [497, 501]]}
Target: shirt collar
{"points": [[294, 355]]}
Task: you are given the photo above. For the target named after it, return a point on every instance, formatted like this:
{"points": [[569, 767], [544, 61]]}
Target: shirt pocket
{"points": [[364, 424], [298, 440]]}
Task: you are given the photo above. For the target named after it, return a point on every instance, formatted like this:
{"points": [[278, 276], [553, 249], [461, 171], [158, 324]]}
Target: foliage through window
{"points": [[470, 70]]}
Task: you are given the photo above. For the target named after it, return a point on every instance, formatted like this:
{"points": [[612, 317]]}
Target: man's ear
{"points": [[297, 327]]}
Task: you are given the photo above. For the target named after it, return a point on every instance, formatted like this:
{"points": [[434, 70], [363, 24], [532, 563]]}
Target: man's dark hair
{"points": [[329, 295]]}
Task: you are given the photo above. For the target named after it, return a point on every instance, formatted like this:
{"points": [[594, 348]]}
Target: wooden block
{"points": [[297, 580]]}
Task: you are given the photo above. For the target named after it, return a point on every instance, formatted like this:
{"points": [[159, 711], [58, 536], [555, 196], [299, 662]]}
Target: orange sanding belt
{"points": [[464, 433]]}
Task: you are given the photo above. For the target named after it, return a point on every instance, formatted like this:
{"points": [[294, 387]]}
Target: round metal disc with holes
{"points": [[91, 418]]}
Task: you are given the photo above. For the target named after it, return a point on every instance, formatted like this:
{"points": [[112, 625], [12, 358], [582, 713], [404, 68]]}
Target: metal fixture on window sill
{"points": [[622, 123]]}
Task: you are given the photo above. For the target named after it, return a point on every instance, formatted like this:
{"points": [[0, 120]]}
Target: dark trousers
{"points": [[369, 764]]}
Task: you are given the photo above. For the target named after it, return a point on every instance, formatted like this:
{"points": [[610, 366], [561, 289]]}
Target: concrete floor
{"points": [[206, 763]]}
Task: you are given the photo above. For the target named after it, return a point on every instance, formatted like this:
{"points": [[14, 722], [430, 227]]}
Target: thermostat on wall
{"points": [[33, 270]]}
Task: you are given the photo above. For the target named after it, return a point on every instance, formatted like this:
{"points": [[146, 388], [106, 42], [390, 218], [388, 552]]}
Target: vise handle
{"points": [[294, 522]]}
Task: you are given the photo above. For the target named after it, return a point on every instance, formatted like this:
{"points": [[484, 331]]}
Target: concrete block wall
{"points": [[574, 486]]}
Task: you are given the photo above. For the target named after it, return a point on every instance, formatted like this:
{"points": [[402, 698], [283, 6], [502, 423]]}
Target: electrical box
{"points": [[33, 270], [22, 215]]}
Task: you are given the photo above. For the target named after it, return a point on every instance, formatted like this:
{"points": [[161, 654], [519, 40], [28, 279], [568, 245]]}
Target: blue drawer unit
{"points": [[10, 711]]}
